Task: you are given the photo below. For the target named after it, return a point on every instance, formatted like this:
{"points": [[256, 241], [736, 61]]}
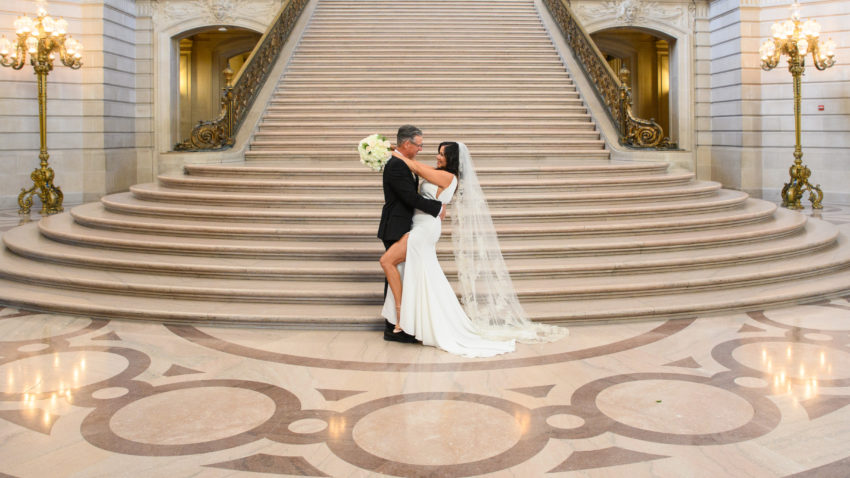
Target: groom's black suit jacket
{"points": [[400, 199]]}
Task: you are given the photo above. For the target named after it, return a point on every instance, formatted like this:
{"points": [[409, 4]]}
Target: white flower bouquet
{"points": [[375, 151]]}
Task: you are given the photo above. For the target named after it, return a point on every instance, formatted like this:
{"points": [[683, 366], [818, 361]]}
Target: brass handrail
{"points": [[614, 94], [237, 97]]}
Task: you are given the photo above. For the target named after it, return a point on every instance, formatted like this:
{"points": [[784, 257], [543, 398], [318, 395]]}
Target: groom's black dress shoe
{"points": [[402, 337]]}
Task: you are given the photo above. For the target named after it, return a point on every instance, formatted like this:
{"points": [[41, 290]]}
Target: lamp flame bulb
{"points": [[788, 29], [49, 24], [5, 46], [829, 48], [24, 24], [32, 44]]}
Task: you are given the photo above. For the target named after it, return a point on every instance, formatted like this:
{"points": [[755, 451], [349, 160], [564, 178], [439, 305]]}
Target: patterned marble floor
{"points": [[756, 394]]}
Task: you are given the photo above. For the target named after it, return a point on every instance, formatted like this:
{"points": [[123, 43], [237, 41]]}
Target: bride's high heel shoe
{"points": [[397, 329]]}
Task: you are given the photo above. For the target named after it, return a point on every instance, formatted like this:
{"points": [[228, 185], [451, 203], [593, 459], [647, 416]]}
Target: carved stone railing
{"points": [[614, 94], [238, 96]]}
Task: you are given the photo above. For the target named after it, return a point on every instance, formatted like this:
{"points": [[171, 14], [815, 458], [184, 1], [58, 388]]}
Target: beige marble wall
{"points": [[702, 92], [109, 141], [145, 161]]}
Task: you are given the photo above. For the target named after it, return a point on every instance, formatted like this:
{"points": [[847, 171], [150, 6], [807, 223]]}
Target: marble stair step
{"points": [[371, 184], [446, 109], [458, 15], [425, 36], [517, 154], [447, 129], [63, 228], [315, 55], [345, 118], [378, 102], [478, 82], [374, 199], [424, 62], [29, 243], [338, 138], [502, 18], [14, 267], [493, 68], [725, 206], [344, 169], [94, 215], [309, 49], [393, 21], [282, 93], [173, 310], [368, 43], [289, 95]]}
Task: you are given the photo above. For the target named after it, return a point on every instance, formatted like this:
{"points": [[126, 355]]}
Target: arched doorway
{"points": [[203, 55], [647, 55]]}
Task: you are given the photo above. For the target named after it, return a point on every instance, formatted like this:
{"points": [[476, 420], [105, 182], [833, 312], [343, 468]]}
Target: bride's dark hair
{"points": [[452, 154]]}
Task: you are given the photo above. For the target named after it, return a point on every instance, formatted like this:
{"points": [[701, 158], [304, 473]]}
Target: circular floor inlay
{"points": [[110, 392], [781, 360], [565, 421], [308, 425], [674, 406], [59, 371], [438, 432], [192, 415], [812, 317]]}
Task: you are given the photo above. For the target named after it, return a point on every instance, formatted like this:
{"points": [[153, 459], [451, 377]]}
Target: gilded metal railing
{"points": [[614, 93], [238, 96]]}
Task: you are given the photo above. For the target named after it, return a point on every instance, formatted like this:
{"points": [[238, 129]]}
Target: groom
{"points": [[401, 197]]}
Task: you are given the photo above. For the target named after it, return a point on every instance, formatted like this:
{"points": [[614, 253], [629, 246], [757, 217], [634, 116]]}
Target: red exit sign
{"points": [[820, 108]]}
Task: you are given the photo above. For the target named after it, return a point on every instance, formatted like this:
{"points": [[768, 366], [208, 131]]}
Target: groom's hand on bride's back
{"points": [[443, 212]]}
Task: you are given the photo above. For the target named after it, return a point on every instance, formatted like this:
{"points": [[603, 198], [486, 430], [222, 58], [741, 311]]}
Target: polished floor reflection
{"points": [[753, 394], [762, 393]]}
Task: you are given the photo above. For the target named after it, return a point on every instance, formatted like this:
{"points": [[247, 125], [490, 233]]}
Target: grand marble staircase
{"points": [[288, 236]]}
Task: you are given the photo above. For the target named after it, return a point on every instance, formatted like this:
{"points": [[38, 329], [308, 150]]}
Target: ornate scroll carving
{"points": [[212, 11], [631, 12], [634, 132], [237, 99]]}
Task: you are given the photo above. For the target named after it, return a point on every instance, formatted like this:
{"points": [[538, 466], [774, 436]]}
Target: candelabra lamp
{"points": [[40, 40], [796, 39]]}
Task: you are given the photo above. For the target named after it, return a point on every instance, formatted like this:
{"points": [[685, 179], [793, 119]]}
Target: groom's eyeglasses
{"points": [[420, 145]]}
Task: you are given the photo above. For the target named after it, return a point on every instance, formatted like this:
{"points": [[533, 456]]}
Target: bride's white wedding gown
{"points": [[430, 310]]}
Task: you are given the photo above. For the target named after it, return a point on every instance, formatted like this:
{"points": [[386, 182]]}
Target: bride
{"points": [[424, 304]]}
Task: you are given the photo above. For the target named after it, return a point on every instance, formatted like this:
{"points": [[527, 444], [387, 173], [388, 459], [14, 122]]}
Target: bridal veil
{"points": [[487, 292]]}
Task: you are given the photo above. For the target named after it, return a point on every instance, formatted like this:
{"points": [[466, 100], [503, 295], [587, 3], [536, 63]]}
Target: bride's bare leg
{"points": [[394, 256]]}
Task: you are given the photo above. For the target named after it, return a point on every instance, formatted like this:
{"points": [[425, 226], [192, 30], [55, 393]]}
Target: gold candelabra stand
{"points": [[796, 39], [40, 40]]}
